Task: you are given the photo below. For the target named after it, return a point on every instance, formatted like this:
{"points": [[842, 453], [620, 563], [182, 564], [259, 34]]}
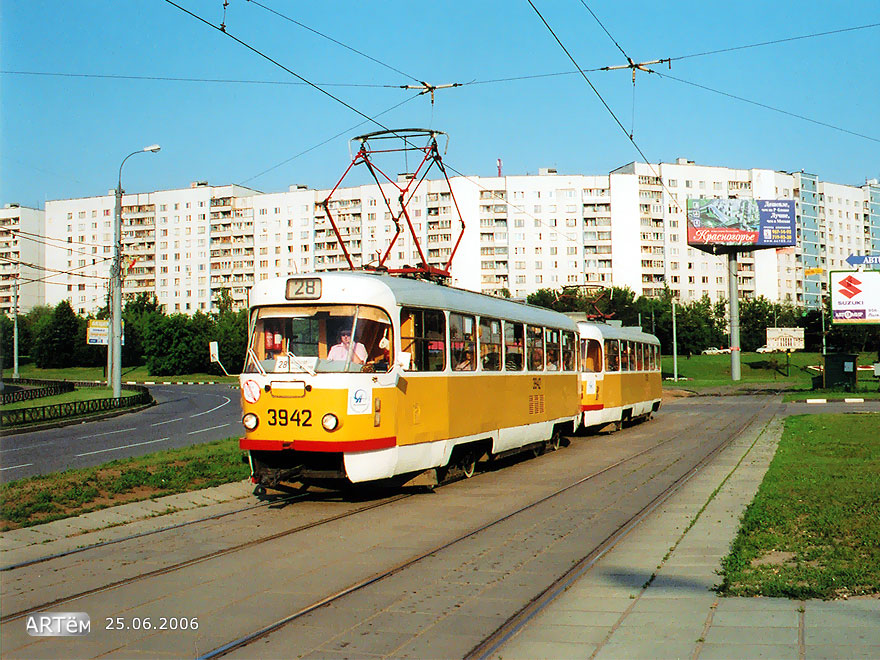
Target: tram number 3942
{"points": [[282, 417]]}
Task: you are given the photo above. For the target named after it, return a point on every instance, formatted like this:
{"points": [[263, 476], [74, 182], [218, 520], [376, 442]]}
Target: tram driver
{"points": [[340, 350]]}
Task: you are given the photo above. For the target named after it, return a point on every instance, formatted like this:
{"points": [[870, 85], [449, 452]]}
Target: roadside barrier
{"points": [[50, 388], [62, 411]]}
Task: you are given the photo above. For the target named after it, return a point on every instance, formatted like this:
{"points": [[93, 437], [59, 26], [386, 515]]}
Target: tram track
{"points": [[535, 606], [731, 431], [194, 560], [131, 537]]}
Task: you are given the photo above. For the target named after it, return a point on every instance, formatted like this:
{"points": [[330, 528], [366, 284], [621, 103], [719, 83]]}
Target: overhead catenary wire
{"points": [[330, 139], [773, 42], [54, 272], [278, 64], [768, 107], [336, 41], [604, 103], [225, 81]]}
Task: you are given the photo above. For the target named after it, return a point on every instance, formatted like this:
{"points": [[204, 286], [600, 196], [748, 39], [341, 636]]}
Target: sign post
{"points": [[729, 226]]}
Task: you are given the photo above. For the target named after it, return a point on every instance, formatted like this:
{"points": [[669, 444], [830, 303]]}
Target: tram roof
{"points": [[381, 289], [608, 331]]}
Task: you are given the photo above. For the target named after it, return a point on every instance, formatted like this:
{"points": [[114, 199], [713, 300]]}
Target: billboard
{"points": [[855, 296], [785, 339], [744, 224]]}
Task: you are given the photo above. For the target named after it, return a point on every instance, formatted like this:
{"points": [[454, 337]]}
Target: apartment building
{"points": [[22, 258], [522, 233]]}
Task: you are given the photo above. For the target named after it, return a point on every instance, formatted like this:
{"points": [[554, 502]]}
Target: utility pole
{"points": [[15, 330], [674, 346], [115, 346], [733, 292]]}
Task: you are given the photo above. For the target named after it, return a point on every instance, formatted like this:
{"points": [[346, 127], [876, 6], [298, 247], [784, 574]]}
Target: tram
{"points": [[354, 377], [620, 377]]}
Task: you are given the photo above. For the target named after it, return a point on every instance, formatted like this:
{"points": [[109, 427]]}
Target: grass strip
{"points": [[44, 498], [812, 531]]}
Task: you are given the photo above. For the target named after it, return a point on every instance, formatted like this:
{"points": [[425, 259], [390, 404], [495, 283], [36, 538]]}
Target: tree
{"points": [[139, 313], [55, 341]]}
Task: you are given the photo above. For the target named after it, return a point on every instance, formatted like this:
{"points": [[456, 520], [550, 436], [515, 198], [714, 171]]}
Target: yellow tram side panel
{"points": [[446, 406], [624, 389]]}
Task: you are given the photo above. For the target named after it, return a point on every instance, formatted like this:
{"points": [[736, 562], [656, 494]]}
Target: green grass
{"points": [[79, 394], [50, 497], [138, 374], [709, 371], [812, 530]]}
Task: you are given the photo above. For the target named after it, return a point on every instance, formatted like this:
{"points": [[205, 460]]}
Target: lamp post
{"points": [[116, 282]]}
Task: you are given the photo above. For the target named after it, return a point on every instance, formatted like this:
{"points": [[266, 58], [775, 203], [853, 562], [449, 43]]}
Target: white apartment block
{"points": [[523, 233], [22, 258]]}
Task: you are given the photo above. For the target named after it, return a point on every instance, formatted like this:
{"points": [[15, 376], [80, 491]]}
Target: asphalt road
{"points": [[183, 415]]}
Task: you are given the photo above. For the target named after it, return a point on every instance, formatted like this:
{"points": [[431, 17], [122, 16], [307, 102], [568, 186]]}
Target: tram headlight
{"points": [[250, 421], [330, 422]]}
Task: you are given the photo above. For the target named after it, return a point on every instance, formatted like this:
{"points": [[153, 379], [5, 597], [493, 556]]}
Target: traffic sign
{"points": [[863, 260]]}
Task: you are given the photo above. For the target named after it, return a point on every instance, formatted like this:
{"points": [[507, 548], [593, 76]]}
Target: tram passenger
{"points": [[340, 351], [466, 362], [536, 361]]}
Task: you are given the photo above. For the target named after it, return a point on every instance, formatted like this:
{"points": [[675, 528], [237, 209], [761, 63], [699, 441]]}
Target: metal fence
{"points": [[50, 388], [61, 411]]}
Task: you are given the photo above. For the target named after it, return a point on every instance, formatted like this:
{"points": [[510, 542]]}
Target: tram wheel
{"points": [[555, 441], [259, 490], [469, 465]]}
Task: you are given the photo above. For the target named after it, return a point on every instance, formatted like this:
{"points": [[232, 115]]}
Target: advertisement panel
{"points": [[855, 296], [743, 223], [98, 332], [785, 339]]}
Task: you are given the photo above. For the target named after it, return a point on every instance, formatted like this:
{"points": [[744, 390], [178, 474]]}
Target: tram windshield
{"points": [[319, 338]]}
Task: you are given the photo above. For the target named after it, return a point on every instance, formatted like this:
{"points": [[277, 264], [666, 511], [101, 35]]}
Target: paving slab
{"points": [[676, 613]]}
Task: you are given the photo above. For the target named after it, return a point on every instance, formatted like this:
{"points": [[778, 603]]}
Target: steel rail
{"points": [[197, 560], [515, 623], [268, 629]]}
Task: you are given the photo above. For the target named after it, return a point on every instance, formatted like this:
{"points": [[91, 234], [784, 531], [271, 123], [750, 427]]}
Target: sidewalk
{"points": [[26, 543], [651, 596]]}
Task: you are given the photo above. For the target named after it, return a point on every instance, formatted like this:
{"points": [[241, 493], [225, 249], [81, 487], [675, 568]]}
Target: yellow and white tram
{"points": [[358, 377], [619, 374]]}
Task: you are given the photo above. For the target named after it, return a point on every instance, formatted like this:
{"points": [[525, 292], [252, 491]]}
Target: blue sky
{"points": [[64, 136]]}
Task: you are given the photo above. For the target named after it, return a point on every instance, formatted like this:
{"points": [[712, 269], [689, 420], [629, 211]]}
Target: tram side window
{"points": [[591, 356], [612, 356], [640, 357], [462, 342], [551, 347], [627, 363], [535, 348], [490, 344], [569, 354], [423, 336], [655, 357], [514, 346]]}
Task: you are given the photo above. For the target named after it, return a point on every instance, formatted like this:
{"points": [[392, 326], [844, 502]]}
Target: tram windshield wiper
{"points": [[301, 365]]}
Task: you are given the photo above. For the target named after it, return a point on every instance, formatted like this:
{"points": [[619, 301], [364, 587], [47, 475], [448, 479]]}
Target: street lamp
{"points": [[116, 282]]}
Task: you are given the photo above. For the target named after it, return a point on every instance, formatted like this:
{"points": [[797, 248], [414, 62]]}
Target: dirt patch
{"points": [[774, 558]]}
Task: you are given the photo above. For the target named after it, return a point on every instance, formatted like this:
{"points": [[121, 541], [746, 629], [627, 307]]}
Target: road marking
{"points": [[41, 444], [136, 444], [98, 435], [12, 467], [208, 429], [176, 419], [213, 409]]}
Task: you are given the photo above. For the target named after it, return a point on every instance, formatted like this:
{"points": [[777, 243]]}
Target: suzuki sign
{"points": [[855, 296]]}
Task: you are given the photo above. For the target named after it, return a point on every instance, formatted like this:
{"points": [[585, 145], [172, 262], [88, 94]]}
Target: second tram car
{"points": [[619, 374], [355, 377]]}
